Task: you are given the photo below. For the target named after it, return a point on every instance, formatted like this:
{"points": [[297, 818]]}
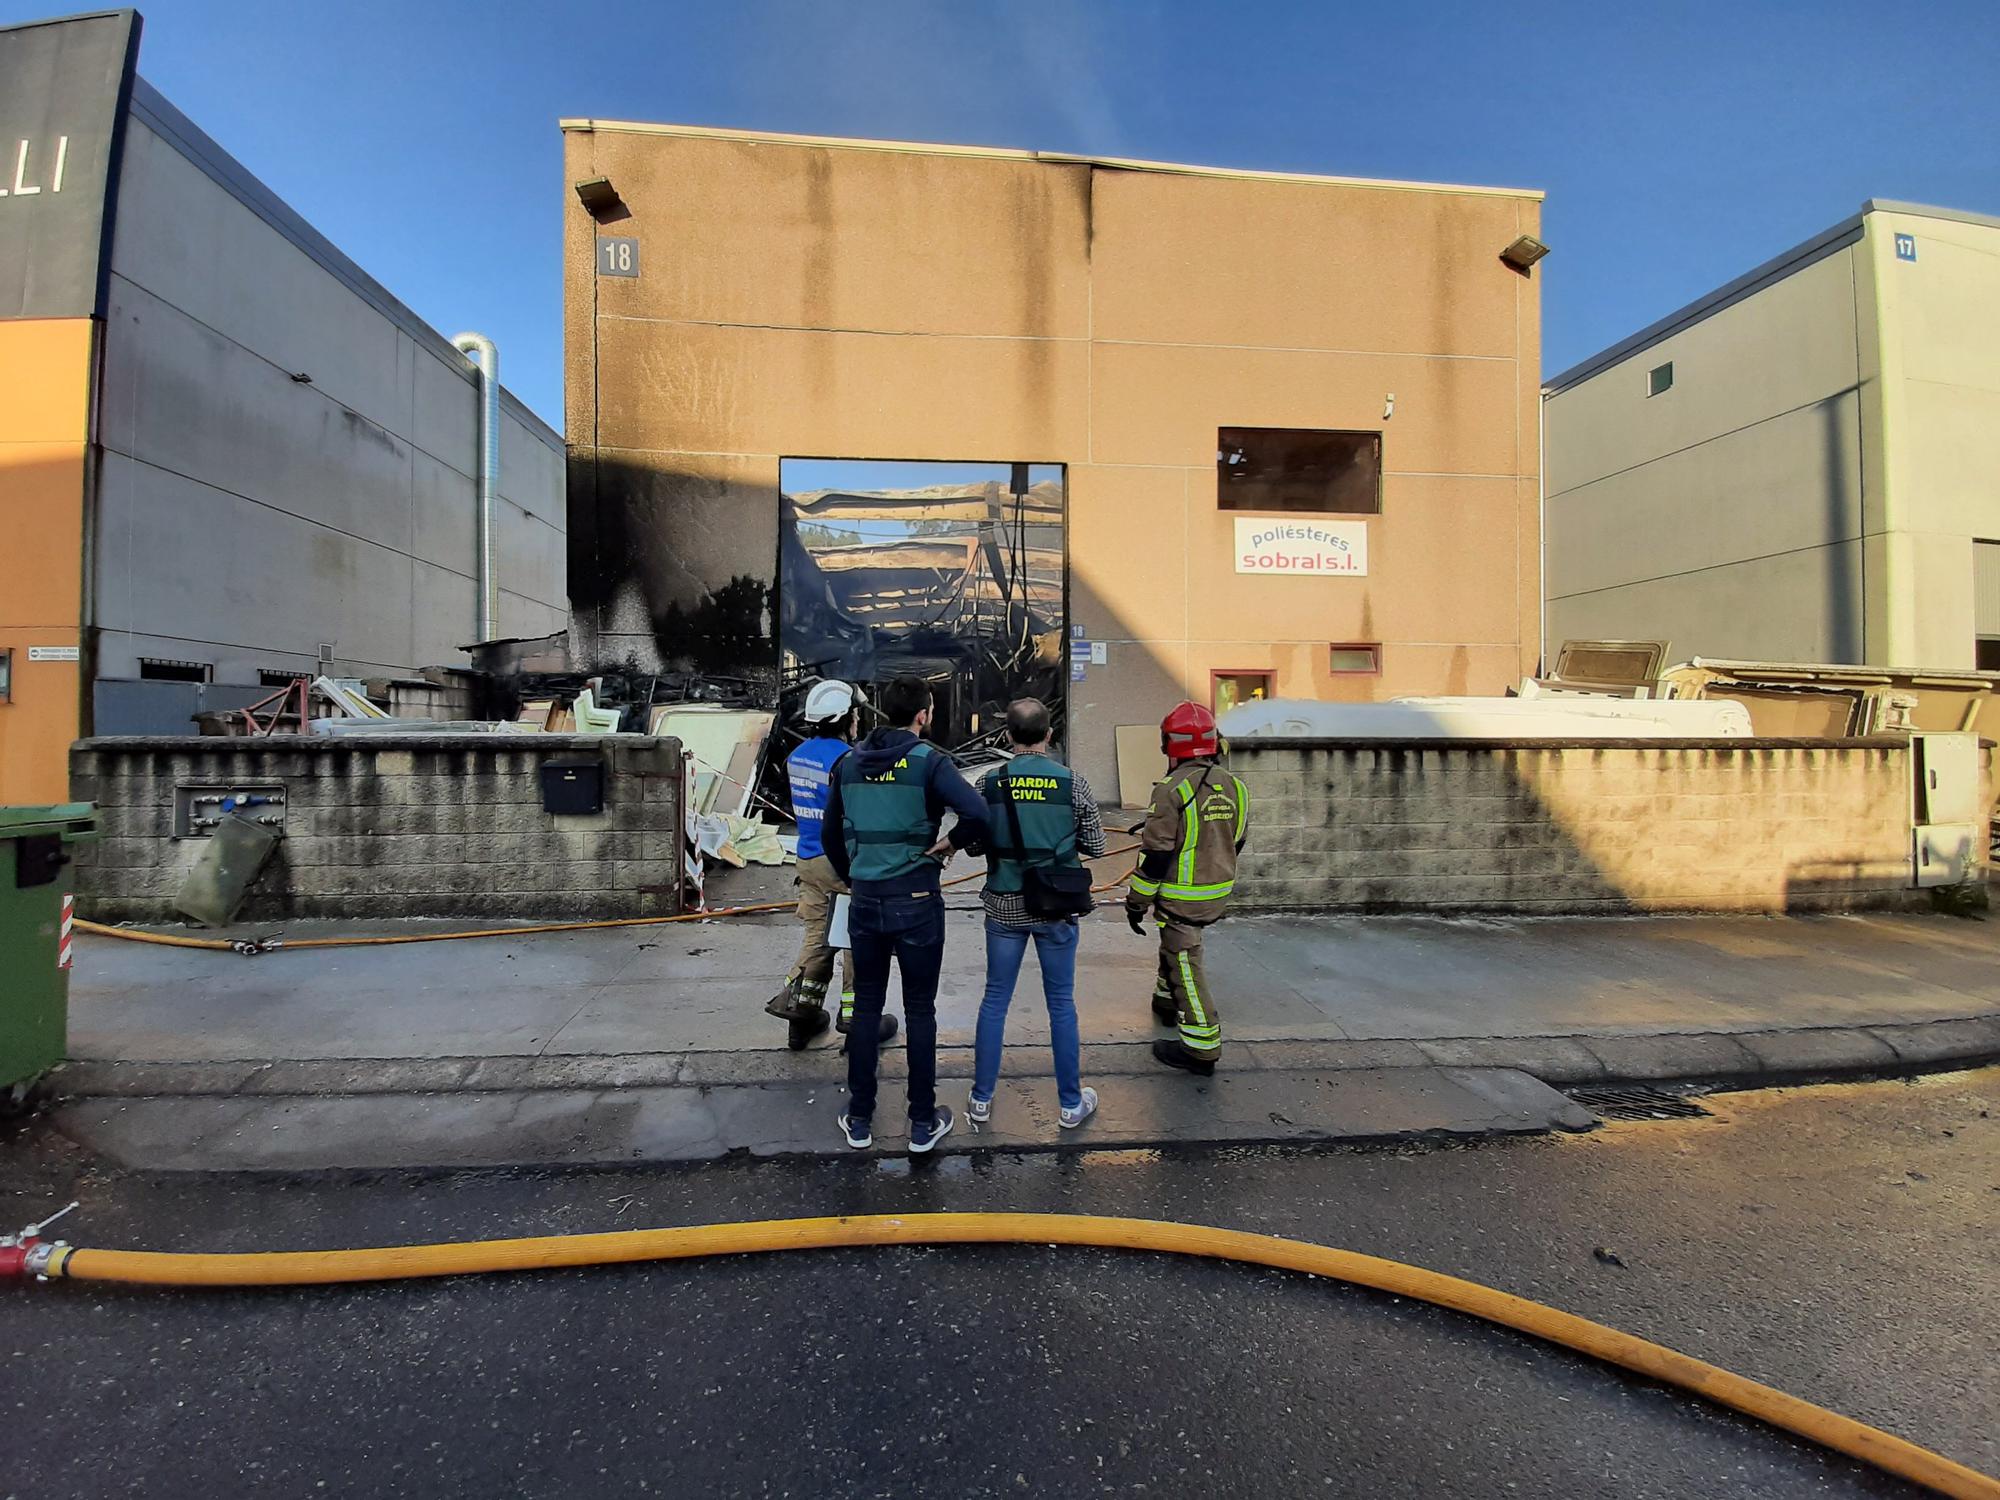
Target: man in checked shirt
{"points": [[1058, 826]]}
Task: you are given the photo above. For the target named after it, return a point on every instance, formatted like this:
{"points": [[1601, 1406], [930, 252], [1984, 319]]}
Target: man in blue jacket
{"points": [[886, 799], [833, 717]]}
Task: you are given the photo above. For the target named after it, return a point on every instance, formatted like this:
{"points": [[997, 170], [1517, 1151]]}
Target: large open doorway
{"points": [[953, 572]]}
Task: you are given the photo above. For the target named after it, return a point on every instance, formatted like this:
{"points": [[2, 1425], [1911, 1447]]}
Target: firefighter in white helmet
{"points": [[832, 715]]}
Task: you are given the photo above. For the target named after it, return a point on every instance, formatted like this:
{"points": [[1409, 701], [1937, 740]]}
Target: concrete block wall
{"points": [[386, 826], [1614, 826]]}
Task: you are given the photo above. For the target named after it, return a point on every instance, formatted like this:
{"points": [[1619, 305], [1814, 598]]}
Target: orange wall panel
{"points": [[41, 534], [39, 722], [45, 380], [44, 421]]}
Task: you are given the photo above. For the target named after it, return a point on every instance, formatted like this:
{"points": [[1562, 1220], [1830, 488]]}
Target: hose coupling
{"points": [[22, 1258]]}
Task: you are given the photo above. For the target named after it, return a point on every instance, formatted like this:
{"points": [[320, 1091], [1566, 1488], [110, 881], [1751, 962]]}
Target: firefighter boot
{"points": [[881, 1037], [800, 1031], [1177, 1054], [799, 1000]]}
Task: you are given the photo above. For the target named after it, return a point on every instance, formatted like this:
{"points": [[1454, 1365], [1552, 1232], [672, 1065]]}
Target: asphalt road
{"points": [[1838, 1242]]}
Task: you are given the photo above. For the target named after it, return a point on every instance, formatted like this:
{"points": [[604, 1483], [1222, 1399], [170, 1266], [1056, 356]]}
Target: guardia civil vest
{"points": [[886, 817], [1040, 797], [810, 770]]}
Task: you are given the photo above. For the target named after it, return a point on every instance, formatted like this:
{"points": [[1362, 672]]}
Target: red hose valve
{"points": [[25, 1253]]}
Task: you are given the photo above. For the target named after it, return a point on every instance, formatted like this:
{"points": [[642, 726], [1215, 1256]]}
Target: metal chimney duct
{"points": [[479, 349]]}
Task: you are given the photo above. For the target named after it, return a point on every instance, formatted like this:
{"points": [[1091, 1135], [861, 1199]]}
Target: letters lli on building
{"points": [[29, 157]]}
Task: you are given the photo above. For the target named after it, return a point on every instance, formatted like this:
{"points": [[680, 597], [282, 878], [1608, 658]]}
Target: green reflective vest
{"points": [[885, 817], [1040, 790]]}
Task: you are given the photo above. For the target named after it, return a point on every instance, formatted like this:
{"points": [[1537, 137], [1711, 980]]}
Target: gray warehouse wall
{"points": [[245, 515], [1725, 514]]}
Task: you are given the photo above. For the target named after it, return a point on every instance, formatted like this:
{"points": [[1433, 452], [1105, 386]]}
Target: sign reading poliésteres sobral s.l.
{"points": [[1314, 549]]}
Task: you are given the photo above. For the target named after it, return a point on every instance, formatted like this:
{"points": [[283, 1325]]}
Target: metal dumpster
{"points": [[35, 916]]}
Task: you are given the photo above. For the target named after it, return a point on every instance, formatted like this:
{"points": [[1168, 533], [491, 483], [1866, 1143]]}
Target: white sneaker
{"points": [[978, 1110], [1071, 1118]]}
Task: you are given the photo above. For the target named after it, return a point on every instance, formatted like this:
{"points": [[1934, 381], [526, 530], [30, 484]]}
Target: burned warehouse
{"points": [[1112, 433]]}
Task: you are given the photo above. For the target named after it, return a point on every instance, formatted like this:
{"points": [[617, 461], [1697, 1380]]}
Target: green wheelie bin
{"points": [[35, 941]]}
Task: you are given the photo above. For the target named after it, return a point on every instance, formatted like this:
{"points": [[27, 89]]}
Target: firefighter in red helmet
{"points": [[1195, 828]]}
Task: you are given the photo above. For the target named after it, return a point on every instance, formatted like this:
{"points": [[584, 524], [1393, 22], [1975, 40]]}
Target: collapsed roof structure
{"points": [[961, 584]]}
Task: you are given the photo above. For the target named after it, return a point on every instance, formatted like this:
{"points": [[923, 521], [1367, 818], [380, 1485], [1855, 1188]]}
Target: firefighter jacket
{"points": [[1199, 818]]}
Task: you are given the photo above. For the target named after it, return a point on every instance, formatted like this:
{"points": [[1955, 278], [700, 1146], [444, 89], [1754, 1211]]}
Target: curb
{"points": [[1742, 1058]]}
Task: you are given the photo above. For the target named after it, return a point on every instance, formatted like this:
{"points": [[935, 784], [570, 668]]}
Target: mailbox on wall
{"points": [[573, 786]]}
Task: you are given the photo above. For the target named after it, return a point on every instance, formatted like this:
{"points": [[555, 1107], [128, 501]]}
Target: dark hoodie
{"points": [[944, 789]]}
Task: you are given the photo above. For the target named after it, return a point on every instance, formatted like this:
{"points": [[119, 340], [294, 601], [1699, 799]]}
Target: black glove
{"points": [[1132, 921]]}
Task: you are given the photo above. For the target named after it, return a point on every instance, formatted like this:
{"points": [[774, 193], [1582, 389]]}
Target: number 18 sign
{"points": [[617, 257]]}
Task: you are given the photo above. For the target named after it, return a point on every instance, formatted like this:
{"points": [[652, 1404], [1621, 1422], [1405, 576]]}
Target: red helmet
{"points": [[1188, 732]]}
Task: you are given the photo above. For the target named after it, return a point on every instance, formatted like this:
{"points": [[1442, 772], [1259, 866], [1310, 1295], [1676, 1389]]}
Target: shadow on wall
{"points": [[1610, 827], [1846, 635]]}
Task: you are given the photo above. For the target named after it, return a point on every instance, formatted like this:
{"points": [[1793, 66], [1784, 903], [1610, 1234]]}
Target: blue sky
{"points": [[1679, 144]]}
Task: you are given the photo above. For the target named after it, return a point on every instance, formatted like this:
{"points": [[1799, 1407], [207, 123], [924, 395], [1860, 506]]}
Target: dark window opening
{"points": [[1988, 657], [279, 677], [1660, 379], [952, 572], [1228, 689], [157, 669], [6, 674], [1290, 469], [1356, 659]]}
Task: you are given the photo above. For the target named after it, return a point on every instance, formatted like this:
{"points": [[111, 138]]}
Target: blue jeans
{"points": [[909, 929], [1055, 949]]}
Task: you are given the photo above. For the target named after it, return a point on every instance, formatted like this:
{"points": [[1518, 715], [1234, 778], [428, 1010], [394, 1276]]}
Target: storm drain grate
{"points": [[1637, 1102]]}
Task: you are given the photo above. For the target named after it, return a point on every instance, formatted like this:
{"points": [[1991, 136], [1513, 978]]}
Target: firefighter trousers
{"points": [[1183, 981], [818, 885]]}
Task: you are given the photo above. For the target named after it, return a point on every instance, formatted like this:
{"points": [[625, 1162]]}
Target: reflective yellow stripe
{"points": [[1143, 887], [1193, 993], [1190, 832], [1197, 892], [1242, 809]]}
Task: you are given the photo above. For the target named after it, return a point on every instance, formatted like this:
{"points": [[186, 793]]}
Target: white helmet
{"points": [[831, 699]]}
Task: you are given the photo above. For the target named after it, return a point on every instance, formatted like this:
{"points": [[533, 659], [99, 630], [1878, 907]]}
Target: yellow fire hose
{"points": [[252, 946], [1857, 1440]]}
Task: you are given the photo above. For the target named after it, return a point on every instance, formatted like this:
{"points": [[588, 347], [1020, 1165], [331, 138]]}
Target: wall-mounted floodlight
{"points": [[1524, 252], [601, 201]]}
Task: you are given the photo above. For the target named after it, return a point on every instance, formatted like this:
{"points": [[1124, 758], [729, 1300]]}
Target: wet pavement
{"points": [[578, 1126], [701, 987], [1834, 1241]]}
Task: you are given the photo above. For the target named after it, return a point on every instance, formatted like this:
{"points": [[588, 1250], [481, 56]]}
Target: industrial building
{"points": [[1116, 432], [228, 457], [1802, 466]]}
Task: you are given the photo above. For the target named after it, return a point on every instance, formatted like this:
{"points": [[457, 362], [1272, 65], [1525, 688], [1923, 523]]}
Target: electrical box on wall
{"points": [[199, 810], [1945, 809], [1945, 853], [1946, 767]]}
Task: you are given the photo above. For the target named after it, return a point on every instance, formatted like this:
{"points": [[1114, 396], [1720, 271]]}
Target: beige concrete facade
{"points": [[1816, 482], [837, 299]]}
